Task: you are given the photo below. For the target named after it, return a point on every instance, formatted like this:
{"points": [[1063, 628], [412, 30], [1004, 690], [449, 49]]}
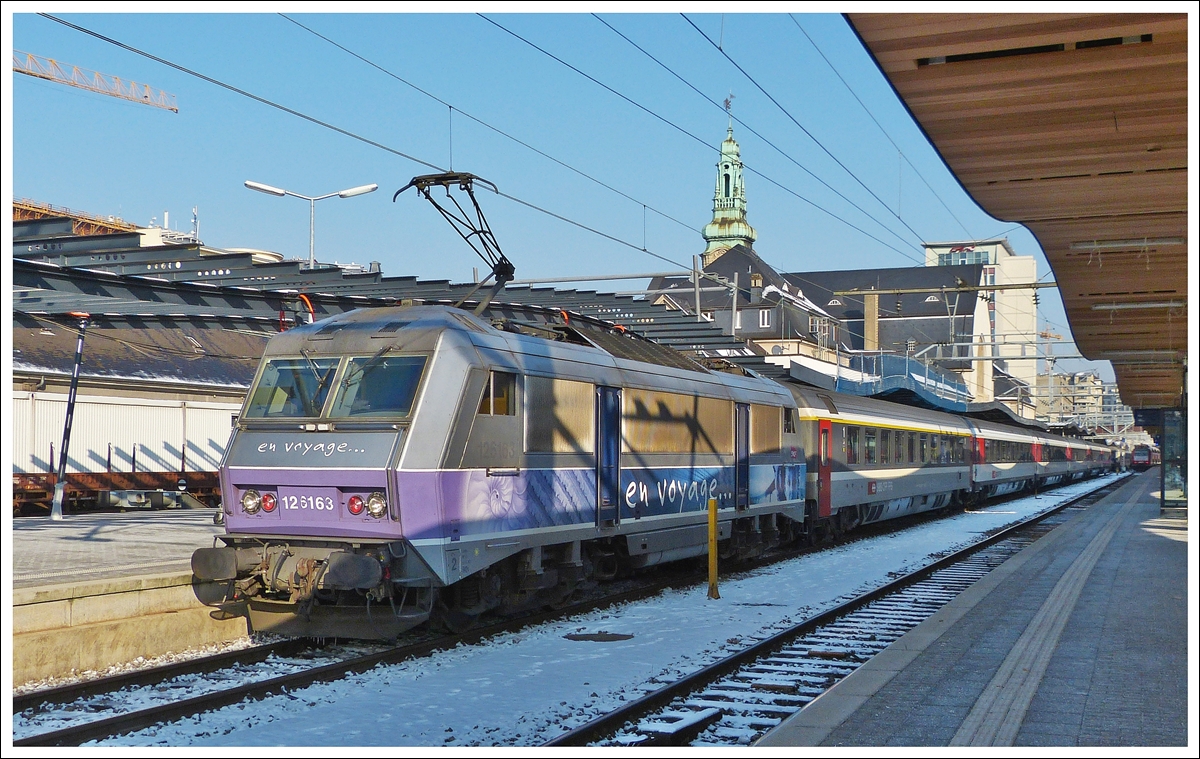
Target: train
{"points": [[1144, 457], [399, 466]]}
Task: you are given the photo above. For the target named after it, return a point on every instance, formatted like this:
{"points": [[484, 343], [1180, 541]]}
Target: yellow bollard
{"points": [[712, 549]]}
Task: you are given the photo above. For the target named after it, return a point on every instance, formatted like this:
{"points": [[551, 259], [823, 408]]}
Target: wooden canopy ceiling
{"points": [[1074, 125]]}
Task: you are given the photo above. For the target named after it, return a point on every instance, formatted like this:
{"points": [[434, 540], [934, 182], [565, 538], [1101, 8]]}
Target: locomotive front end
{"points": [[314, 541]]}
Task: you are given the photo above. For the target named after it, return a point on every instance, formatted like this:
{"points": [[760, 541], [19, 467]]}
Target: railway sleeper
{"points": [[677, 728], [744, 707], [744, 693]]}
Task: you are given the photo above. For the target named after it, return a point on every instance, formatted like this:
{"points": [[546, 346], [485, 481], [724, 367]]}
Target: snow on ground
{"points": [[523, 688]]}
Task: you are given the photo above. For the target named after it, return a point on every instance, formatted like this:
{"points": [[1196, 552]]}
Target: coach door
{"points": [[608, 455], [742, 443], [824, 468]]}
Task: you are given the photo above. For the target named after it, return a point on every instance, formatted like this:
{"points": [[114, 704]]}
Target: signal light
{"points": [[377, 505], [251, 501], [356, 505], [268, 502]]}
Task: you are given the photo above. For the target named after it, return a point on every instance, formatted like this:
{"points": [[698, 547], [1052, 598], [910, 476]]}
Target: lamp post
{"points": [[312, 205]]}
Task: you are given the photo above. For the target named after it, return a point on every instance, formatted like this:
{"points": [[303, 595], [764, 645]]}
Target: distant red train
{"points": [[1145, 457]]}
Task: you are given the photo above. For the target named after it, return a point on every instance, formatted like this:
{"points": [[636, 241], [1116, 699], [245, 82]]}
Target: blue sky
{"points": [[108, 156]]}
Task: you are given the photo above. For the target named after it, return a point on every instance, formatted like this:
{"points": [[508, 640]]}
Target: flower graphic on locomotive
{"points": [[528, 499], [501, 503]]}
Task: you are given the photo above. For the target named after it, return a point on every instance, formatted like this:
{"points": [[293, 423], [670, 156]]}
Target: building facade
{"points": [[1011, 335]]}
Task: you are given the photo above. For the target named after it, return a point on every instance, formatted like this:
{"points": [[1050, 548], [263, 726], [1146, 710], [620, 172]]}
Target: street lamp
{"points": [[312, 205]]}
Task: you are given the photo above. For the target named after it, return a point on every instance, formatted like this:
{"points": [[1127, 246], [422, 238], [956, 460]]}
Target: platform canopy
{"points": [[1074, 125]]}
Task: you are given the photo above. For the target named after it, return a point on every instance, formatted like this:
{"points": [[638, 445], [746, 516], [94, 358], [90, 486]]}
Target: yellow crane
{"points": [[65, 73]]}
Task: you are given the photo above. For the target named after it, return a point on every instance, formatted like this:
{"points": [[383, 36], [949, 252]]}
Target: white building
{"points": [[1011, 328]]}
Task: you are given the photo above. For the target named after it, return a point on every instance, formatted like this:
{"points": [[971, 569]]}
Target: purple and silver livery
{"points": [[394, 464]]}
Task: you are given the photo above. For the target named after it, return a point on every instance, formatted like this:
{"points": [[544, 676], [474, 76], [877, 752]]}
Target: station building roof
{"points": [[1075, 125]]}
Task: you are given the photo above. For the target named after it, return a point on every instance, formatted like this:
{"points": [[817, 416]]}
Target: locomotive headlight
{"points": [[355, 505], [251, 502], [268, 502], [377, 505]]}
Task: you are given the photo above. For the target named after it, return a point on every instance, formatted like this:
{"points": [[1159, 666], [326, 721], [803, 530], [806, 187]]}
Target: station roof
{"points": [[822, 286], [1074, 125]]}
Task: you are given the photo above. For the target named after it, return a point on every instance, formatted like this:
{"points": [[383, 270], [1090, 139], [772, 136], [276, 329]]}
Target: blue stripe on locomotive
{"points": [[474, 503]]}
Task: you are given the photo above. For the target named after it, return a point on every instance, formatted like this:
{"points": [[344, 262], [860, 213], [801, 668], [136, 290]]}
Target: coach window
{"points": [[923, 448], [499, 395], [869, 445], [885, 446], [850, 444], [912, 443], [934, 456]]}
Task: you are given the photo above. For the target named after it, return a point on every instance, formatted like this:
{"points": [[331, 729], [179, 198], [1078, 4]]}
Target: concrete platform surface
{"points": [[105, 546], [1081, 640], [94, 591]]}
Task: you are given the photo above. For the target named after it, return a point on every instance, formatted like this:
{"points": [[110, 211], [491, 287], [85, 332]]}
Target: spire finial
{"points": [[729, 109]]}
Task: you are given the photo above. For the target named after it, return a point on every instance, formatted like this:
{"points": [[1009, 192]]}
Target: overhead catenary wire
{"points": [[239, 91], [373, 143], [680, 129], [486, 125], [348, 133], [399, 153], [850, 89], [752, 130], [802, 127]]}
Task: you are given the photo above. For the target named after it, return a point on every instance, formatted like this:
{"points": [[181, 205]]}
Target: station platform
{"points": [[1082, 639], [97, 590]]}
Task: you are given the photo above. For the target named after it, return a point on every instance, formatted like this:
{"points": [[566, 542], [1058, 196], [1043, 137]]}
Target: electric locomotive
{"points": [[393, 464]]}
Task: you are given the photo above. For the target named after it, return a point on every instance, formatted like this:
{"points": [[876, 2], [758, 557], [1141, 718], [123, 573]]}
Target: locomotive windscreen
{"points": [[378, 387], [291, 387]]}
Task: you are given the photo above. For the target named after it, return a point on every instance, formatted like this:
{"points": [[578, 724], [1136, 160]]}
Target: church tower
{"points": [[728, 226]]}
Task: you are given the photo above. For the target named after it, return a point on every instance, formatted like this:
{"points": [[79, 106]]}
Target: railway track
{"points": [[738, 699], [274, 670], [96, 707], [100, 708]]}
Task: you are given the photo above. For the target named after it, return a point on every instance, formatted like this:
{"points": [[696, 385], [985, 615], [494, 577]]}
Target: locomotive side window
{"points": [[378, 386], [292, 387], [656, 422], [560, 416], [765, 424], [499, 395]]}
